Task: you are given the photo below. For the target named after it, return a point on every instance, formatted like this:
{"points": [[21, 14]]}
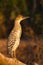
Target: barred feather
{"points": [[14, 37]]}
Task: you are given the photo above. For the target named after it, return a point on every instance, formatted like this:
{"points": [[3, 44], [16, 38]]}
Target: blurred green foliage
{"points": [[11, 8]]}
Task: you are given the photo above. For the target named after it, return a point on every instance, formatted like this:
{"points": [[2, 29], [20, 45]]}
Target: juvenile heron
{"points": [[14, 37]]}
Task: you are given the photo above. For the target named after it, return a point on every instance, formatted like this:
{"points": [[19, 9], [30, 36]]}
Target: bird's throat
{"points": [[17, 24]]}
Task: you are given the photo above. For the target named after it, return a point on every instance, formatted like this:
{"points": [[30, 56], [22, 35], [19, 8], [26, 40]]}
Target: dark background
{"points": [[9, 9]]}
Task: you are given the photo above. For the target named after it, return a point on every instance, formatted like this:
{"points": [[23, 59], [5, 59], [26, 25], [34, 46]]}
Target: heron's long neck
{"points": [[17, 25]]}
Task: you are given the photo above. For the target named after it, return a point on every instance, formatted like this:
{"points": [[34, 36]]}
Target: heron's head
{"points": [[20, 18]]}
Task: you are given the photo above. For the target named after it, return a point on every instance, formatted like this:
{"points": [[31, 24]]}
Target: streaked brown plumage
{"points": [[14, 37]]}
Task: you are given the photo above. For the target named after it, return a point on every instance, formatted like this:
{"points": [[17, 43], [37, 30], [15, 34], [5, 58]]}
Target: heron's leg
{"points": [[13, 54]]}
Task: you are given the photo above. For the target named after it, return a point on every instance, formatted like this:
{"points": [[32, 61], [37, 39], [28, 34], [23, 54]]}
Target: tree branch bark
{"points": [[9, 61]]}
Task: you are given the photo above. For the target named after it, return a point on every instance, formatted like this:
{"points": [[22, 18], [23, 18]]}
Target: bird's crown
{"points": [[19, 17]]}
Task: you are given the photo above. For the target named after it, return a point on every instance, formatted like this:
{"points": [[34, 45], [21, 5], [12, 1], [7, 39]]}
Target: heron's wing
{"points": [[12, 39]]}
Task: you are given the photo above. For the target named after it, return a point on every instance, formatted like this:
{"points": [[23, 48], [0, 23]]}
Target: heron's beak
{"points": [[25, 18]]}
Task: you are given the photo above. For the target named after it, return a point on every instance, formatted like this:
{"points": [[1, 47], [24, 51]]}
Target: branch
{"points": [[9, 61]]}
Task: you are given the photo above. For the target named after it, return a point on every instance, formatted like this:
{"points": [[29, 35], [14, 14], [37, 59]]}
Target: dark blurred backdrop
{"points": [[9, 9]]}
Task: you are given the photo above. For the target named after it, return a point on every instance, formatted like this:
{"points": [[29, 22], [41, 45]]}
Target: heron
{"points": [[15, 35]]}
